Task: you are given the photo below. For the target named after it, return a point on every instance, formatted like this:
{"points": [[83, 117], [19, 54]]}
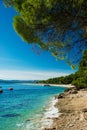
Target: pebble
{"points": [[71, 125]]}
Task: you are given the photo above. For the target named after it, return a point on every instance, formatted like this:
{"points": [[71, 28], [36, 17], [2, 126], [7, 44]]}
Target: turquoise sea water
{"points": [[22, 108]]}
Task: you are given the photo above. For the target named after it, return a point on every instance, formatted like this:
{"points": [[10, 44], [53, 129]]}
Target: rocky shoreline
{"points": [[72, 105]]}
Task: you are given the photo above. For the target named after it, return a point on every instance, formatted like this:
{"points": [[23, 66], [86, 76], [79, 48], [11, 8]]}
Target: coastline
{"points": [[51, 113], [73, 108], [50, 85], [57, 85]]}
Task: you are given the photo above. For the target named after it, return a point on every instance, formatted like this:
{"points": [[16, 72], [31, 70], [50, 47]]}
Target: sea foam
{"points": [[51, 112]]}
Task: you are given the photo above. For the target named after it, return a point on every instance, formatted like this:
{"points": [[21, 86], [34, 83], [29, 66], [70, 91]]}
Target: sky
{"points": [[21, 61]]}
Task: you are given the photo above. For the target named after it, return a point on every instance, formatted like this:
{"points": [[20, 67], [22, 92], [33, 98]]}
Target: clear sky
{"points": [[17, 58]]}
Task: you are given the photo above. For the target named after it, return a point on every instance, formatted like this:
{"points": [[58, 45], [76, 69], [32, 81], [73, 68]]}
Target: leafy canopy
{"points": [[58, 26]]}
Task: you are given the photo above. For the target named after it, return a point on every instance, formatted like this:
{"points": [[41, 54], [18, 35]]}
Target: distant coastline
{"points": [[57, 85], [17, 81]]}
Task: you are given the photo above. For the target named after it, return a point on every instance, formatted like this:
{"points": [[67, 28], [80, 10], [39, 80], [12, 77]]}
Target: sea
{"points": [[24, 106]]}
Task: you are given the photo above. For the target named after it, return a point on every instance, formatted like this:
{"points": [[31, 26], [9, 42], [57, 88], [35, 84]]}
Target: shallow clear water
{"points": [[22, 108]]}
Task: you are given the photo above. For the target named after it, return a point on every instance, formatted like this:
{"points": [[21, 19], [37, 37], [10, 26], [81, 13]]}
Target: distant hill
{"points": [[18, 81]]}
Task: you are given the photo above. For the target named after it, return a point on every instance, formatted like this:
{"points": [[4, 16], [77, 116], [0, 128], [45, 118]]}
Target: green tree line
{"points": [[79, 79]]}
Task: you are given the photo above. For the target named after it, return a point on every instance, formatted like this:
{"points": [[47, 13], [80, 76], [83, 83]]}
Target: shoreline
{"points": [[50, 85], [51, 113], [72, 107], [57, 85]]}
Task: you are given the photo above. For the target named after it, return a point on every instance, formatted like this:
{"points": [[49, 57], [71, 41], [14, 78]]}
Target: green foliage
{"points": [[8, 3], [60, 80], [79, 79], [83, 63], [22, 29], [81, 75], [53, 25], [80, 82]]}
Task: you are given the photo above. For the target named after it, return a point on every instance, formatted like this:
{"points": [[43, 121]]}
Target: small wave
{"points": [[45, 118], [20, 124], [51, 112]]}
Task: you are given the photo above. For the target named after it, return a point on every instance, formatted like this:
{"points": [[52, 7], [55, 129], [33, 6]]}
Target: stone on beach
{"points": [[73, 107]]}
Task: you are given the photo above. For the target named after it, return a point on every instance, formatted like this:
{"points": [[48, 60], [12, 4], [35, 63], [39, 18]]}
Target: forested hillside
{"points": [[79, 79]]}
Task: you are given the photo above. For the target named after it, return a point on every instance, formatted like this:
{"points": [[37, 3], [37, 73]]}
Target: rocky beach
{"points": [[72, 105]]}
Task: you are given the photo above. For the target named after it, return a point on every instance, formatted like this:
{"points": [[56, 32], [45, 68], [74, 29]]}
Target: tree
{"points": [[58, 26], [79, 79]]}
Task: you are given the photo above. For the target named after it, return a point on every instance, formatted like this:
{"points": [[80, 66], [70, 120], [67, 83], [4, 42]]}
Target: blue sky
{"points": [[17, 58]]}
